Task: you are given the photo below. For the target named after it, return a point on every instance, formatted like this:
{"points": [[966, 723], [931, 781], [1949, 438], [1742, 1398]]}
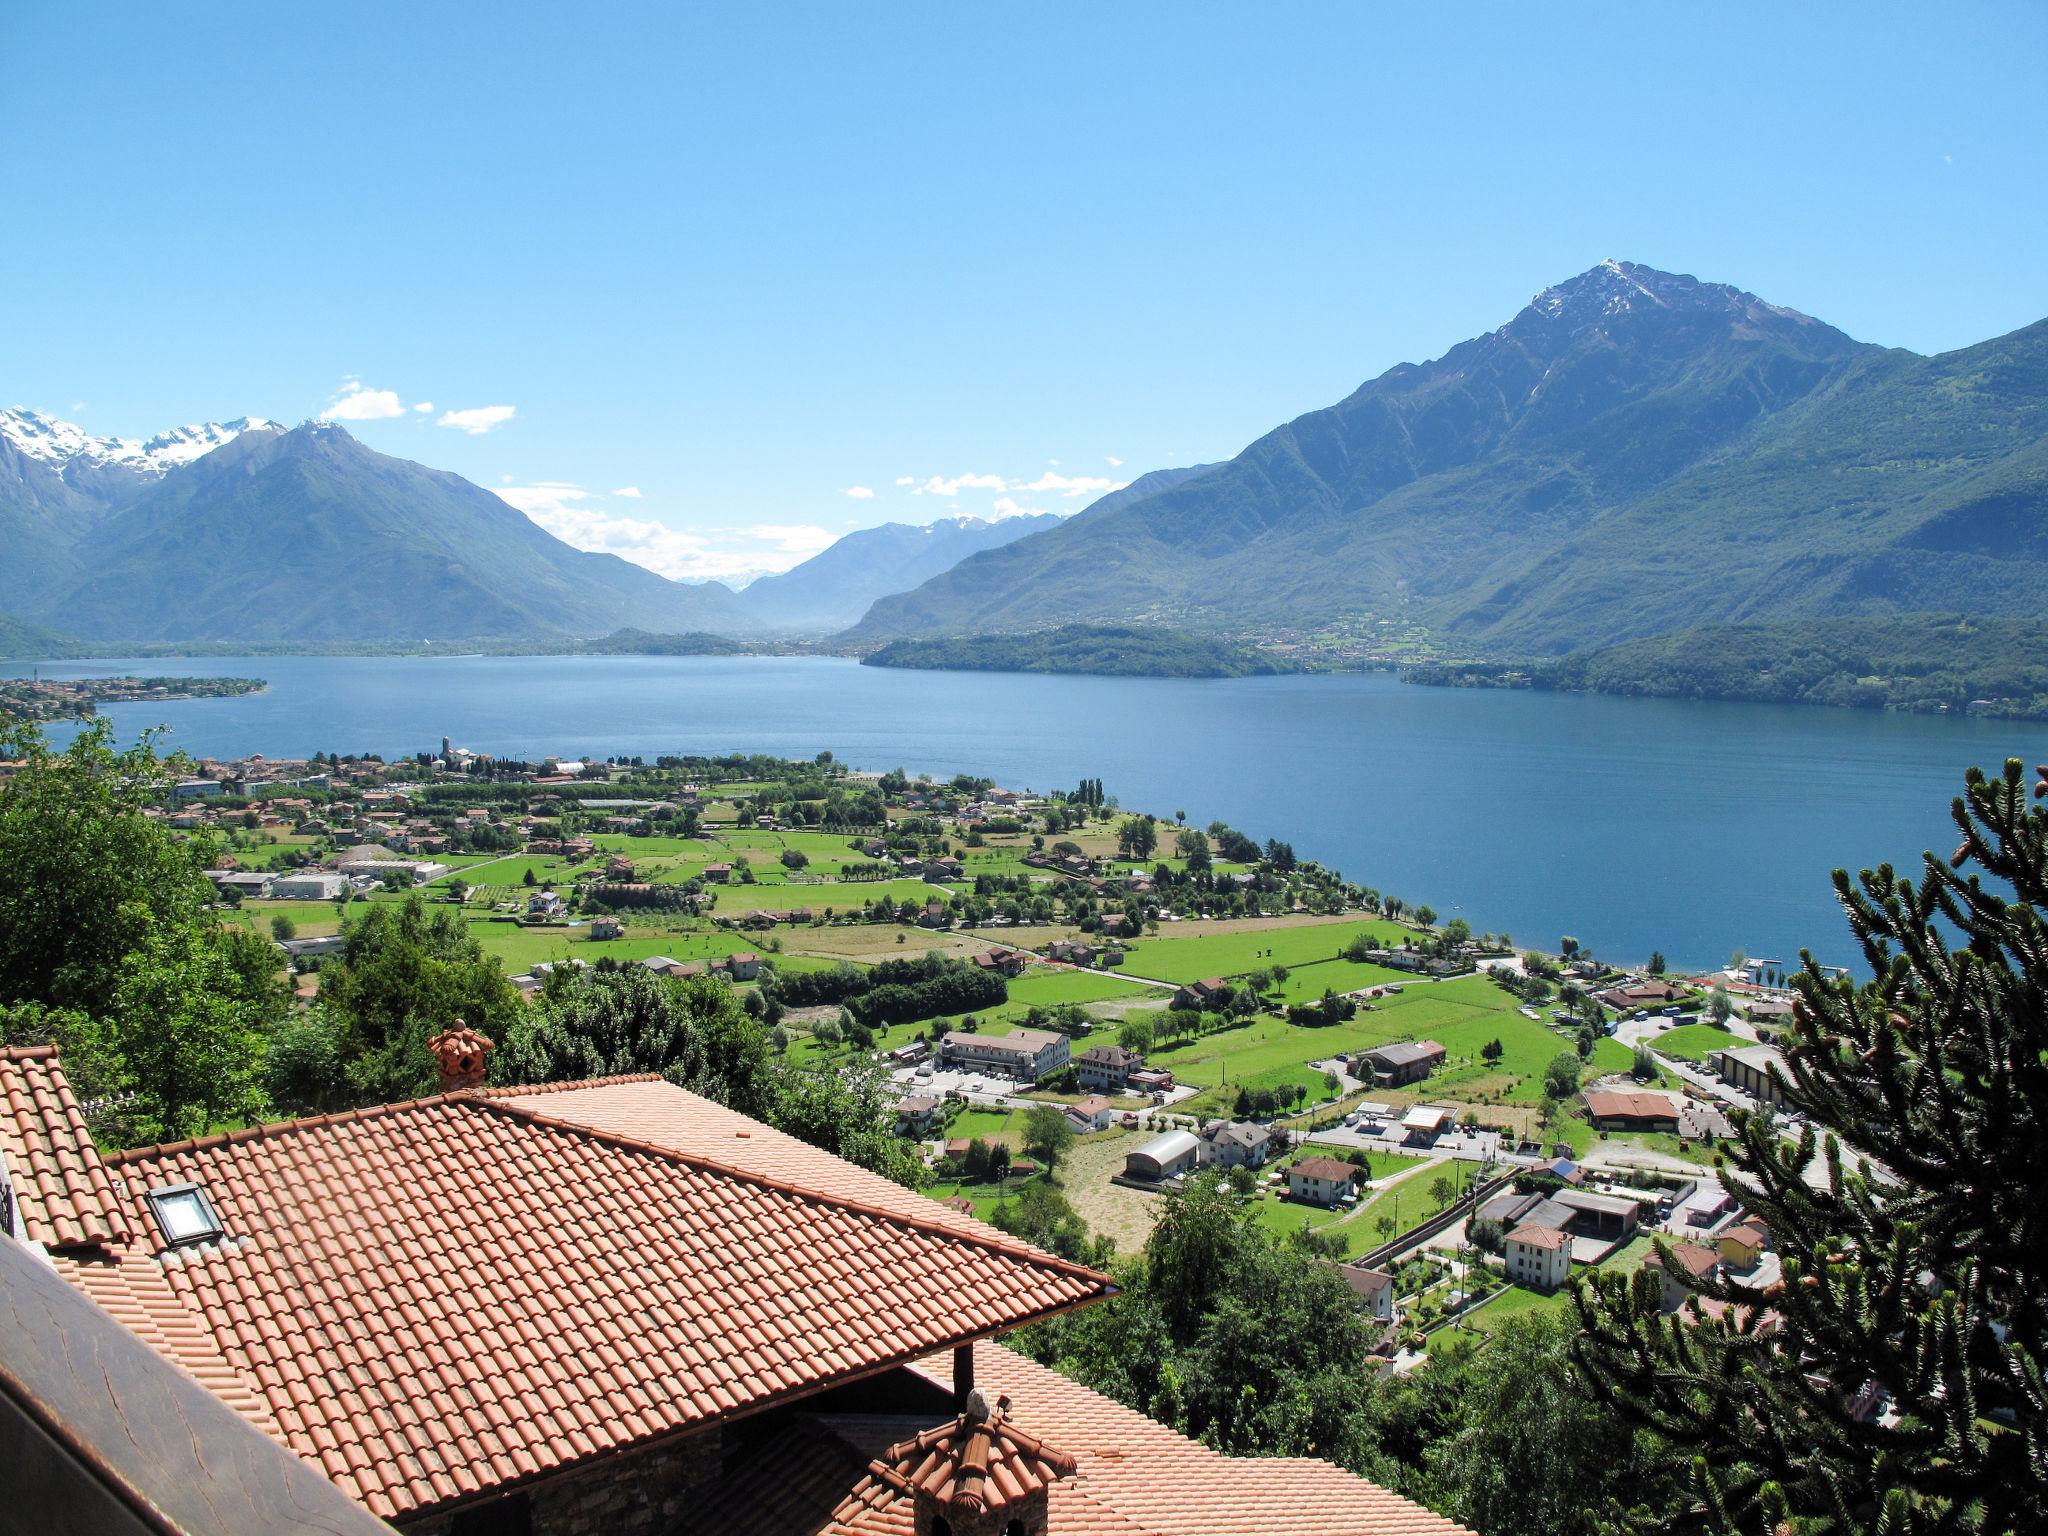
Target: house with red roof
{"points": [[612, 1306]]}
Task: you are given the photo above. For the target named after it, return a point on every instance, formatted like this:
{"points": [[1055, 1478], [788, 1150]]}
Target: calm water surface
{"points": [[1633, 824]]}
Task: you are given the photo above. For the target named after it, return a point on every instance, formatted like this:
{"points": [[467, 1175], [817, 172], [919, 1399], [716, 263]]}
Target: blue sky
{"points": [[744, 260]]}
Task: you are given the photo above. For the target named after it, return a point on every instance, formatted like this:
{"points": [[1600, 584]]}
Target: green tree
{"points": [[1047, 1133], [1656, 966], [1135, 1034], [849, 1111], [1930, 1278], [611, 1022], [1719, 1004], [190, 1016], [405, 973], [1561, 1076]]}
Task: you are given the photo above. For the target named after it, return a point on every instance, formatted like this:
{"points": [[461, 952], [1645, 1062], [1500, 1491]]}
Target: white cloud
{"points": [[939, 485], [906, 479], [424, 406], [477, 420], [577, 517], [1071, 485], [858, 492], [1115, 462], [1007, 506], [630, 492], [355, 403]]}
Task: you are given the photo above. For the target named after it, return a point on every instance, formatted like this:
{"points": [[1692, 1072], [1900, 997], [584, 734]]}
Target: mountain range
{"points": [[249, 531], [835, 587], [1634, 452]]}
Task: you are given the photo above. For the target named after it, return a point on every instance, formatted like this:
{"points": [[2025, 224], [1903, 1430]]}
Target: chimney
{"points": [[459, 1053], [975, 1475]]}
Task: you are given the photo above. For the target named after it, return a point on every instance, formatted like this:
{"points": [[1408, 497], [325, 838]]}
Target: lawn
{"points": [[1234, 954], [1693, 1042], [1049, 988]]}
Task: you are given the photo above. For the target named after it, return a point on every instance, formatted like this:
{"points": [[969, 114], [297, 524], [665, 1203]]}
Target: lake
{"points": [[1633, 824]]}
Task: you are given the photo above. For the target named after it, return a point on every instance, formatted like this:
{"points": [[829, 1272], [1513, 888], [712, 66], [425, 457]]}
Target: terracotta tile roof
{"points": [[1330, 1169], [441, 1297], [651, 1110], [1533, 1235], [1133, 1476], [137, 1296], [62, 1188]]}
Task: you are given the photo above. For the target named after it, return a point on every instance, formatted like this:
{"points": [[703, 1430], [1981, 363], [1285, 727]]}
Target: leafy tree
{"points": [[1930, 1278], [1493, 1050], [1135, 1034], [282, 928], [615, 1021], [1137, 837], [1047, 1133], [405, 973], [1426, 916], [1719, 1005], [190, 1016], [1561, 1077], [1656, 966], [304, 1071], [850, 1111], [1644, 1068]]}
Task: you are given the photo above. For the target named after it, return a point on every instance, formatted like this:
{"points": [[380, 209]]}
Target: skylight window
{"points": [[184, 1214]]}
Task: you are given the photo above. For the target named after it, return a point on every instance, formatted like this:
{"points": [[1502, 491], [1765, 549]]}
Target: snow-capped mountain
{"points": [[67, 447]]}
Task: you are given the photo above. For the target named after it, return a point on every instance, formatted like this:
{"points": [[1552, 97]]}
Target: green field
{"points": [[1234, 954], [1693, 1042]]}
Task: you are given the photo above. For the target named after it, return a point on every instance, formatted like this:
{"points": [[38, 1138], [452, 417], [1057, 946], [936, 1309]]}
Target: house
{"points": [[1150, 1080], [1563, 1169], [1106, 1068], [1742, 1246], [1374, 1289], [1163, 1158], [1539, 1257], [1758, 1070], [1394, 1066], [718, 874], [1631, 996], [619, 868], [545, 904], [243, 882], [1320, 1180], [1005, 962], [1070, 952], [1631, 1110], [1029, 1055], [1212, 992], [743, 966], [607, 928], [914, 1115], [1115, 924], [1689, 1259], [911, 1054], [309, 886], [865, 1365], [1094, 1113], [1235, 1144]]}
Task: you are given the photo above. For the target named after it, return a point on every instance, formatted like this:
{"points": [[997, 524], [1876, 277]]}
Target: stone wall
{"points": [[637, 1493]]}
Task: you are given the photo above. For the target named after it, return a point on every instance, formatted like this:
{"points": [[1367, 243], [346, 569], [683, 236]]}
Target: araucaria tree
{"points": [[1911, 1218]]}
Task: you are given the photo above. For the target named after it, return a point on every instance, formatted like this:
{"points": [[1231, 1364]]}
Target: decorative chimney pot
{"points": [[976, 1475], [459, 1053]]}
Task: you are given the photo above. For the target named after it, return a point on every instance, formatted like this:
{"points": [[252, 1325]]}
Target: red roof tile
{"points": [[62, 1188], [1132, 1475], [976, 1463], [440, 1297]]}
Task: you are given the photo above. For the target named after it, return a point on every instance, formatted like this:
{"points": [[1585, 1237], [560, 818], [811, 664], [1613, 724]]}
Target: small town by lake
{"points": [[1633, 824]]}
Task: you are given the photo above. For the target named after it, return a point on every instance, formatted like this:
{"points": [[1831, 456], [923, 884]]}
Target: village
{"points": [[1118, 1003]]}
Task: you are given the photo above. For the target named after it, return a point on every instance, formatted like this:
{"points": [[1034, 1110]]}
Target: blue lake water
{"points": [[1632, 824]]}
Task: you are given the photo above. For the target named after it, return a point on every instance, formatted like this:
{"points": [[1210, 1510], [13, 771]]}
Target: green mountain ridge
{"points": [[1634, 452]]}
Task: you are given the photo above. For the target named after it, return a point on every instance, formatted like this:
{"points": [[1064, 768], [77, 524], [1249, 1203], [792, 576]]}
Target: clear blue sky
{"points": [[742, 259]]}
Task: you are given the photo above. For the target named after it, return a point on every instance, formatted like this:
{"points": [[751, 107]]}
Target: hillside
{"points": [[308, 537], [833, 588], [1106, 651], [1634, 452], [29, 642], [1917, 662]]}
